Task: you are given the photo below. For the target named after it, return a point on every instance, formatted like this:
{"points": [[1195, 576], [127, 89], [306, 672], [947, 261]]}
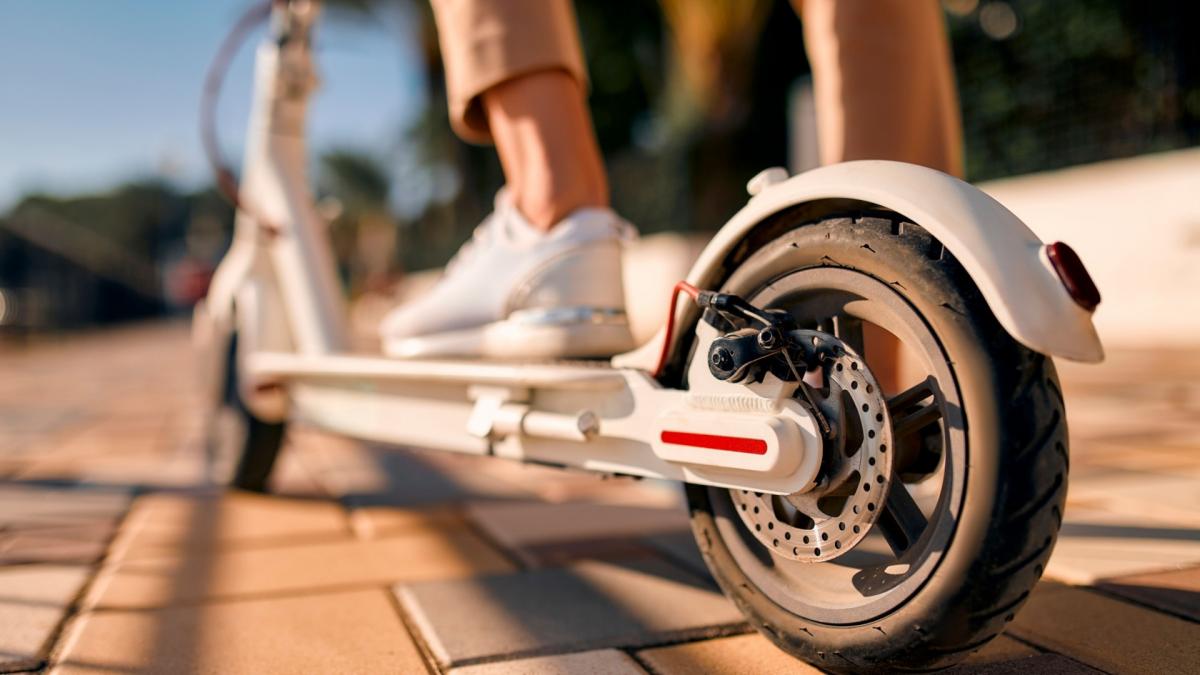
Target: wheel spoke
{"points": [[908, 414], [901, 521], [849, 329]]}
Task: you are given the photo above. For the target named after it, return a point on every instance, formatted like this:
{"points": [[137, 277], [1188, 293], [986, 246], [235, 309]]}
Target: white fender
{"points": [[1003, 256]]}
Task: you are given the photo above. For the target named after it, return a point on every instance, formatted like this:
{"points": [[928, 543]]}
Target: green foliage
{"points": [[1079, 81], [359, 181]]}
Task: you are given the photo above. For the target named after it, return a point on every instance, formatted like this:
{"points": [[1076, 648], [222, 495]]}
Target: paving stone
{"points": [[361, 474], [192, 523], [559, 554], [1175, 496], [1095, 543], [34, 504], [78, 539], [24, 634], [37, 547], [680, 548], [736, 655], [754, 653], [291, 478], [1002, 650], [354, 631], [1159, 458], [1040, 663], [518, 525], [1177, 591], [33, 601], [55, 585], [599, 662], [1107, 634], [175, 579], [152, 469], [374, 522], [590, 605]]}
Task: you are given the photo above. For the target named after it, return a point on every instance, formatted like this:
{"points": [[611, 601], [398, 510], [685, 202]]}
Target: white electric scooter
{"points": [[860, 531]]}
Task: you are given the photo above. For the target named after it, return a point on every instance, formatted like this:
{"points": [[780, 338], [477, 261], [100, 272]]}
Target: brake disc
{"points": [[833, 517]]}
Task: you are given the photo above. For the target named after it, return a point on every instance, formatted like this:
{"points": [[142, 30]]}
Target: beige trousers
{"points": [[882, 77]]}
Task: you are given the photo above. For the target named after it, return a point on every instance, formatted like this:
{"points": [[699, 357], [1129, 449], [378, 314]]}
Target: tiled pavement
{"points": [[116, 557]]}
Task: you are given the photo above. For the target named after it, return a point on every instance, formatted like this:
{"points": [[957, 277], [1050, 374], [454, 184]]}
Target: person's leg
{"points": [[515, 76], [884, 89], [542, 277], [883, 82], [543, 133]]}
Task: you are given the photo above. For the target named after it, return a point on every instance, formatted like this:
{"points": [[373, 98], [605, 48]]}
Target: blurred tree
{"points": [[138, 250], [354, 193], [1052, 83]]}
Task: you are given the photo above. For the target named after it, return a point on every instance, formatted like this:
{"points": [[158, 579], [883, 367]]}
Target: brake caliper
{"points": [[833, 516]]}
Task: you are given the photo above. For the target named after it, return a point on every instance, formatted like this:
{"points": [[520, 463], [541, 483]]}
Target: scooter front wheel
{"points": [[971, 511], [240, 437]]}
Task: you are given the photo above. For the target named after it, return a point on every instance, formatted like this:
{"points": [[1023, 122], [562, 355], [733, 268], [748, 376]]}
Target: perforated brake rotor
{"points": [[833, 517]]}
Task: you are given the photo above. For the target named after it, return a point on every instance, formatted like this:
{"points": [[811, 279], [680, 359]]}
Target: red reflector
{"points": [[752, 446], [1074, 275]]}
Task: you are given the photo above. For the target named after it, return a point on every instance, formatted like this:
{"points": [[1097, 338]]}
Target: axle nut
{"points": [[769, 338], [721, 359]]}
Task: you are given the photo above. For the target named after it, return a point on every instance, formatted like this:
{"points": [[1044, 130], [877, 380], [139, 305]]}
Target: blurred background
{"points": [[1081, 115]]}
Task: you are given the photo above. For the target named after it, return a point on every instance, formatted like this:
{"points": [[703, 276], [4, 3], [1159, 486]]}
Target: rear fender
{"points": [[1004, 257]]}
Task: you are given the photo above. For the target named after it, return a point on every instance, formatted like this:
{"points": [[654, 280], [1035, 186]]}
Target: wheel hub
{"points": [[832, 518]]}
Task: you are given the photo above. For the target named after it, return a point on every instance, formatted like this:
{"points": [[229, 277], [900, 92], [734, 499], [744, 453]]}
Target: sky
{"points": [[97, 92]]}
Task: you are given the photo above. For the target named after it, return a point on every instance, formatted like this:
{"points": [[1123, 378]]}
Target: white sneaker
{"points": [[515, 292]]}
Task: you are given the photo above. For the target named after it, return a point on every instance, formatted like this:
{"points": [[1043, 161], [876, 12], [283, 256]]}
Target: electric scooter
{"points": [[859, 530]]}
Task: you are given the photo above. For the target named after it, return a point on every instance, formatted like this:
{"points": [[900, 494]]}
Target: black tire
{"points": [[254, 443], [1015, 476]]}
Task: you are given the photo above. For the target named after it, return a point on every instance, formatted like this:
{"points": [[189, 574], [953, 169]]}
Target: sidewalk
{"points": [[117, 557]]}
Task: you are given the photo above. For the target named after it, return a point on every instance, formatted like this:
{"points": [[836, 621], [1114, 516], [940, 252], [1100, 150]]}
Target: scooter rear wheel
{"points": [[973, 506]]}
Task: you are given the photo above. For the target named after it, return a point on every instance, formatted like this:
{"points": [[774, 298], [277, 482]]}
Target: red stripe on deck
{"points": [[751, 446]]}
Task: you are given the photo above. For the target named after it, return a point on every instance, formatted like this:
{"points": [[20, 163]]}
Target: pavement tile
{"points": [[599, 662], [291, 478], [1174, 496], [374, 522], [754, 653], [517, 525], [180, 579], [1095, 543], [1177, 591], [590, 605], [1040, 663], [1138, 456], [80, 541], [37, 504], [350, 632], [362, 474], [35, 546], [1107, 634], [565, 553], [224, 520], [736, 655], [680, 548], [33, 601], [24, 633], [1002, 650], [152, 469]]}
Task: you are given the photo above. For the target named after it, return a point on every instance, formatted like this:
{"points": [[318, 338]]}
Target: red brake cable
{"points": [[693, 293]]}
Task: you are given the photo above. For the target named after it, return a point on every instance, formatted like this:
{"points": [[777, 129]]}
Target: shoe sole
{"points": [[520, 340]]}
